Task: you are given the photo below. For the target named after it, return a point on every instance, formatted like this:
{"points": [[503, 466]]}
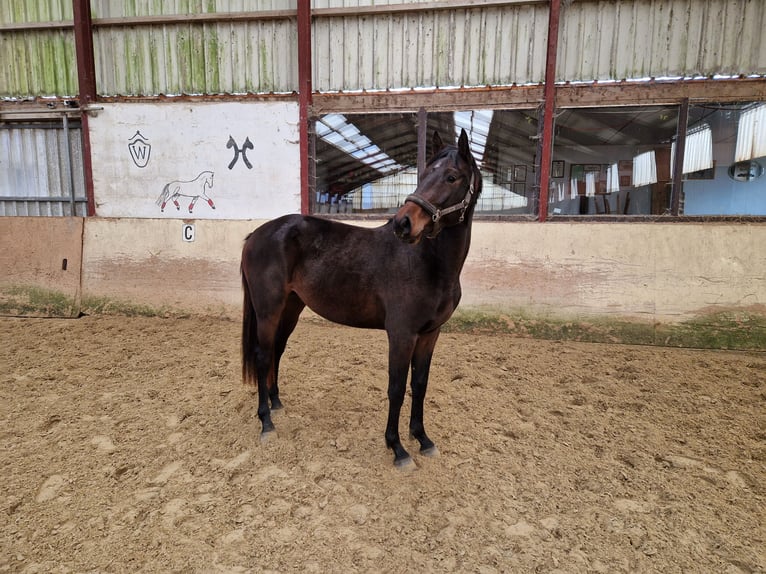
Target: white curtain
{"points": [[644, 169], [590, 183], [698, 150], [612, 179], [751, 133], [573, 188]]}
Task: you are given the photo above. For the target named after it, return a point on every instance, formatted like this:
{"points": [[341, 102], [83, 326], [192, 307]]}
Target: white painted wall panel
{"points": [[181, 144]]}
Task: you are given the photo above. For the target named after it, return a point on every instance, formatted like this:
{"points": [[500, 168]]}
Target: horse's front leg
{"points": [[399, 356], [421, 366]]}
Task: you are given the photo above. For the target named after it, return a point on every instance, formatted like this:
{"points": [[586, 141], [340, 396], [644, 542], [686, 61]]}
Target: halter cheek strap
{"points": [[436, 213]]}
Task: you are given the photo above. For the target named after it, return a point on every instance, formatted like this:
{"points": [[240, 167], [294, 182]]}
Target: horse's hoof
{"points": [[430, 451], [268, 436], [276, 405], [405, 464]]}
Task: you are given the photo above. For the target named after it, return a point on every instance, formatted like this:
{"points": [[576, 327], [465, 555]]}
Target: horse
{"points": [[403, 277], [193, 189]]}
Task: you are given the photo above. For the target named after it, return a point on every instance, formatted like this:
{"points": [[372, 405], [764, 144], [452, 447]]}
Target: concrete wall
{"points": [[651, 274], [40, 263]]}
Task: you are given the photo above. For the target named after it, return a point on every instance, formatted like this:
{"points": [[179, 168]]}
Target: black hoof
{"points": [[429, 451], [276, 404]]}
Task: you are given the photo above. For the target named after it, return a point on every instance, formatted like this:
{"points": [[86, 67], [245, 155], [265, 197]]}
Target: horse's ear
{"points": [[462, 144], [436, 143]]}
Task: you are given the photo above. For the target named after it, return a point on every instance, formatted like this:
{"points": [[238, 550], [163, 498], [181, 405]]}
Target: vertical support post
{"points": [[678, 158], [69, 168], [422, 140], [304, 95], [549, 106], [86, 81]]}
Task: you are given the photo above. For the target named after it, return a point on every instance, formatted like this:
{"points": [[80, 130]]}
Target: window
{"points": [[612, 161], [732, 182], [41, 170], [368, 163], [615, 161]]}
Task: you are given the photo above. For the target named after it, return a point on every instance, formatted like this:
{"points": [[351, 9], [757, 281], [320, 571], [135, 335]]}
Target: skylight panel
{"points": [[336, 130]]}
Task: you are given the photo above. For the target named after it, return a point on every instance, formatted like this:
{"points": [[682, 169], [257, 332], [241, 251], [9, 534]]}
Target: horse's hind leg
{"points": [[287, 323], [421, 366], [264, 365]]}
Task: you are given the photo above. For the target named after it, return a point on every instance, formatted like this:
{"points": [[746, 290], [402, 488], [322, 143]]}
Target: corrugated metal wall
{"points": [[236, 57], [631, 39], [41, 163], [23, 11], [377, 48], [197, 58], [433, 48], [124, 9]]}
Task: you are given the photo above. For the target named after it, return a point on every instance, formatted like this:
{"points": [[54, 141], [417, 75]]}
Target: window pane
{"points": [[41, 169], [503, 144], [729, 187], [612, 161], [367, 163]]}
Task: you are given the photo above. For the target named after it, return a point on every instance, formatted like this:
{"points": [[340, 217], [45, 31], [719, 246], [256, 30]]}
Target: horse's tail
{"points": [[249, 335], [163, 198]]}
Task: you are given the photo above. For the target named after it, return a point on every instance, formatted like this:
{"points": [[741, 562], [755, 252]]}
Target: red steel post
{"points": [[549, 106], [304, 95], [86, 81]]}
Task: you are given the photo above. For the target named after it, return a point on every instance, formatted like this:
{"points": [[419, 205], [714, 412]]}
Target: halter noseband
{"points": [[436, 213]]}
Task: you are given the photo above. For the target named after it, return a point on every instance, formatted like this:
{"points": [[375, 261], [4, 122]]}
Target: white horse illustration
{"points": [[193, 189]]}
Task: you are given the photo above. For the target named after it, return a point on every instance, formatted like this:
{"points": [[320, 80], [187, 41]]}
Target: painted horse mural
{"points": [[193, 189]]}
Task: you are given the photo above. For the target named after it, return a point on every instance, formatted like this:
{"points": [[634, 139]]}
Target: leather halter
{"points": [[436, 213]]}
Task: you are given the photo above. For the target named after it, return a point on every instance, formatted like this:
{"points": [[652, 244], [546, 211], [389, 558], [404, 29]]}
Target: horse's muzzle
{"points": [[411, 223], [403, 228]]}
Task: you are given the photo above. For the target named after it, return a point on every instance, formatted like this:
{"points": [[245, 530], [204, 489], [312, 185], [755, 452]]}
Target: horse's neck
{"points": [[455, 241]]}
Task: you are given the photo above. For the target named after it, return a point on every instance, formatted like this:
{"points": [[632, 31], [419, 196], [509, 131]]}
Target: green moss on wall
{"points": [[733, 329], [724, 330]]}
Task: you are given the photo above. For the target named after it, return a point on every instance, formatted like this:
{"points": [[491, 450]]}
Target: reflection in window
{"points": [[367, 163], [698, 151], [733, 182], [751, 133], [613, 161]]}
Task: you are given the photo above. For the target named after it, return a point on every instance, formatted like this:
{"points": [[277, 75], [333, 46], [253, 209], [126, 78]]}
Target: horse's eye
{"points": [[451, 178]]}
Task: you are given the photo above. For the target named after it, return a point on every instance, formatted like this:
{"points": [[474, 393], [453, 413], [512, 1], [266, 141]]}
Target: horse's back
{"points": [[307, 232]]}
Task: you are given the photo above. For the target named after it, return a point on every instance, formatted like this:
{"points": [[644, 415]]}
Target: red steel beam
{"points": [[304, 95], [549, 105], [86, 81]]}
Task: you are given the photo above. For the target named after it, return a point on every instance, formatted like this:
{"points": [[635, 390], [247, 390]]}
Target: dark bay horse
{"points": [[403, 277]]}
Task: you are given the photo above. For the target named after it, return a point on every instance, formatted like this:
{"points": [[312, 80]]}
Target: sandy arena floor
{"points": [[130, 445]]}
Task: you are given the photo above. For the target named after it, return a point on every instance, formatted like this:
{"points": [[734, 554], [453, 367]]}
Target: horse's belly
{"points": [[346, 311]]}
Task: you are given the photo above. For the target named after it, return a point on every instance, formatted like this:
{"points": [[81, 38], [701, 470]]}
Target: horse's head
{"points": [[447, 190]]}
